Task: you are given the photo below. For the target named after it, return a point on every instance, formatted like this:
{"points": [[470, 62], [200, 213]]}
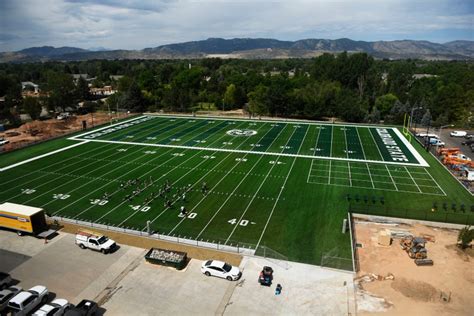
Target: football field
{"points": [[251, 183]]}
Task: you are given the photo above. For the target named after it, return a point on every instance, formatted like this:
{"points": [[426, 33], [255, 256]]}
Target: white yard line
{"points": [[377, 146], [370, 175], [317, 140], [261, 185], [165, 162], [330, 169], [235, 189], [435, 181], [347, 145], [350, 175], [42, 156], [390, 174], [108, 126], [222, 178], [310, 170], [254, 152], [360, 142], [413, 179], [332, 139], [276, 202]]}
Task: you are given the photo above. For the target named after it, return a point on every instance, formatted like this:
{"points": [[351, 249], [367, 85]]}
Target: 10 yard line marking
{"points": [[413, 179], [370, 175]]}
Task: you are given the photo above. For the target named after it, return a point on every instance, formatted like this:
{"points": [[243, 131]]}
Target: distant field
{"points": [[285, 185]]}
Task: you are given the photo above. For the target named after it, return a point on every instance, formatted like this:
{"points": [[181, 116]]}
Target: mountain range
{"points": [[255, 48]]}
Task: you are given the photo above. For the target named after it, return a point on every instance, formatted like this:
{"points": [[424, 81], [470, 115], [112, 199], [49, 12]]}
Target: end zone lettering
{"points": [[116, 128], [395, 152]]}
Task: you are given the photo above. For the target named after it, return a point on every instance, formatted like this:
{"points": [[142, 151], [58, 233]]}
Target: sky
{"points": [[137, 24]]}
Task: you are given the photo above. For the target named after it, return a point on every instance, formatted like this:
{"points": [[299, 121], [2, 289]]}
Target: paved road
{"points": [[456, 142]]}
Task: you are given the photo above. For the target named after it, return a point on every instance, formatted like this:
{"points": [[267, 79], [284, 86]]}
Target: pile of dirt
{"points": [[417, 290]]}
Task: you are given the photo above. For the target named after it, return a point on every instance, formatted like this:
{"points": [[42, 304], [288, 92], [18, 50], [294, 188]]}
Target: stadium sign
{"points": [[241, 132]]}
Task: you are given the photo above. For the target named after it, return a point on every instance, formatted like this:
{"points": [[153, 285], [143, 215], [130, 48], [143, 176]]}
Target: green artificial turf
{"points": [[260, 192]]}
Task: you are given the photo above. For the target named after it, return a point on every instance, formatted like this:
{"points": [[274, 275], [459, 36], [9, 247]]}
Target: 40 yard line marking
{"points": [[261, 184], [237, 186]]}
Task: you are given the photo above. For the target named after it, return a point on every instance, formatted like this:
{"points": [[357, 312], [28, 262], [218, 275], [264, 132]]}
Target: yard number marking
{"points": [[208, 157], [140, 208], [61, 196], [122, 150], [190, 215], [151, 138], [272, 162], [178, 154], [233, 221], [99, 202], [28, 191], [149, 152], [175, 139], [226, 143], [200, 141], [241, 159]]}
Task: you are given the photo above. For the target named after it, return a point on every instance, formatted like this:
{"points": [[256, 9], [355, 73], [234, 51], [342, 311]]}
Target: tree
{"points": [[426, 119], [230, 95], [134, 99], [82, 89], [465, 237], [32, 107], [258, 100], [385, 103], [61, 87]]}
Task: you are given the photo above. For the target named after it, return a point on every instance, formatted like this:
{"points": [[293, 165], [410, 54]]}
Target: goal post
{"points": [[406, 126]]}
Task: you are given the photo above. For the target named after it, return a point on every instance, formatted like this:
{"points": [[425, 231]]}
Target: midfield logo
{"points": [[241, 132]]}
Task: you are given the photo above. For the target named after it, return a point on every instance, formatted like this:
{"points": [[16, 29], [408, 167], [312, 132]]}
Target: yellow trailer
{"points": [[22, 218]]}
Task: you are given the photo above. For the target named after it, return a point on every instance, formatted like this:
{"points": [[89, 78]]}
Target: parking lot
{"points": [[125, 284], [456, 142]]}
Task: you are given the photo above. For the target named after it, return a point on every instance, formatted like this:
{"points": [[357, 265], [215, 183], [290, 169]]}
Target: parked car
{"points": [[469, 136], [26, 301], [3, 141], [436, 142], [458, 134], [88, 239], [221, 269], [63, 116], [468, 142], [84, 308], [5, 280], [6, 295], [56, 308]]}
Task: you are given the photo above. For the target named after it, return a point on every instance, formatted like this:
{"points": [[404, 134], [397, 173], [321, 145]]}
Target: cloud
{"points": [[134, 24]]}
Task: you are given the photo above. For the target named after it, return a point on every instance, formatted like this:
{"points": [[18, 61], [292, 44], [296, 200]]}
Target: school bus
{"points": [[22, 218]]}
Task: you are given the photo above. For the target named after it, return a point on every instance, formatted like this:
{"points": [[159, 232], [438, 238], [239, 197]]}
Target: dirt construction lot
{"points": [[402, 288]]}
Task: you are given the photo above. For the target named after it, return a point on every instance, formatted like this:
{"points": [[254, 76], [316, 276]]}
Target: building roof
{"points": [[19, 209]]}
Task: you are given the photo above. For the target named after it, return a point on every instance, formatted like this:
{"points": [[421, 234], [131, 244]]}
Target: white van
{"points": [[458, 134]]}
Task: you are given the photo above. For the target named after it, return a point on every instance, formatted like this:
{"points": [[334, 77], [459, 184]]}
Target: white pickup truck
{"points": [[88, 239]]}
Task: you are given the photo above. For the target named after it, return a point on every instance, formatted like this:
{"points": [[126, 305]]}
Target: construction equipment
{"points": [[448, 151], [423, 262], [414, 246]]}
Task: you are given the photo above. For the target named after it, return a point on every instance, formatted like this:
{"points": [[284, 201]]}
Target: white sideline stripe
{"points": [[106, 127], [43, 155], [412, 149], [254, 152]]}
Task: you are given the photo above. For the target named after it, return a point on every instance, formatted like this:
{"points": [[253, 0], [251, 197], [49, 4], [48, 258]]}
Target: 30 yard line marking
{"points": [[413, 179]]}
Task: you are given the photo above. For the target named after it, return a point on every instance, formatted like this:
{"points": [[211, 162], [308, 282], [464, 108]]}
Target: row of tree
{"points": [[353, 87]]}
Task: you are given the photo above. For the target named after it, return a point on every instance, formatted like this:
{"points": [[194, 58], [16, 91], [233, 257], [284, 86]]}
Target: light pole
{"points": [[439, 132]]}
